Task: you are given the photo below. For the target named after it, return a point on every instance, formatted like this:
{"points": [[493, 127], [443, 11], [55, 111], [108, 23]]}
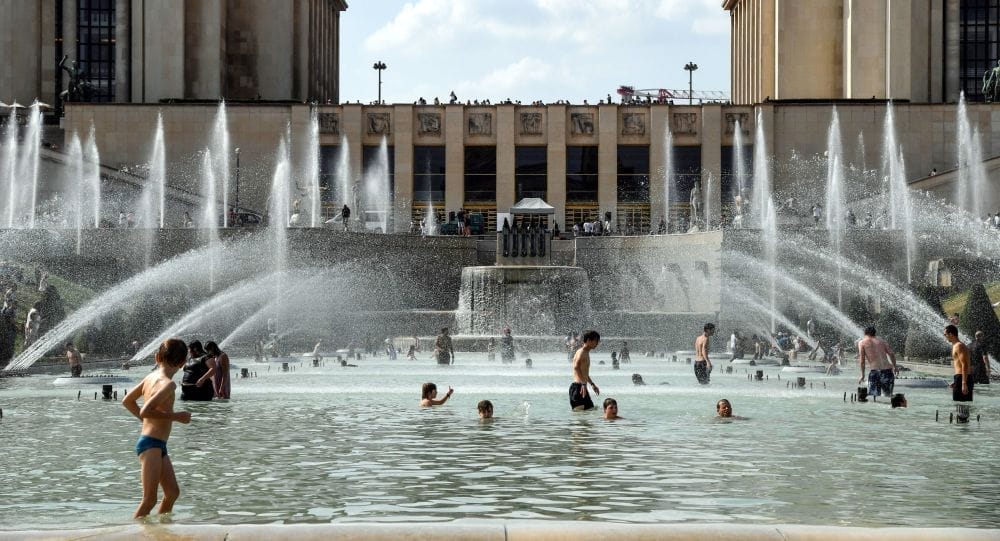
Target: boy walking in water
{"points": [[157, 415], [579, 399], [961, 387], [702, 365]]}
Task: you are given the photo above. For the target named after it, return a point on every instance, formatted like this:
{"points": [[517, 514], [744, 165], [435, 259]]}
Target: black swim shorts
{"points": [[577, 398], [956, 389]]}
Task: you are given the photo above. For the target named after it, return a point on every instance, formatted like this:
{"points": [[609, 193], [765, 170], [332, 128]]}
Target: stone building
{"points": [[920, 51], [145, 51]]}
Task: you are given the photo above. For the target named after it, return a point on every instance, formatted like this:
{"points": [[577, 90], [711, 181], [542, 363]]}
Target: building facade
{"points": [[920, 51], [145, 51]]}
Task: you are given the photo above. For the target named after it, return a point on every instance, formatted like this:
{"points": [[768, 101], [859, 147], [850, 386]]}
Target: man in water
{"points": [[979, 359], [443, 350], [702, 364], [723, 408], [877, 353], [507, 346], [961, 388], [579, 399], [611, 409], [73, 356]]}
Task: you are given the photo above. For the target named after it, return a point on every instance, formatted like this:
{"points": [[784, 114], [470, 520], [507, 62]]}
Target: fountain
{"points": [[740, 172], [378, 195], [74, 156], [669, 177], [92, 175], [152, 201], [344, 179], [219, 147], [33, 142], [834, 195], [900, 210], [972, 178], [312, 170], [210, 214]]}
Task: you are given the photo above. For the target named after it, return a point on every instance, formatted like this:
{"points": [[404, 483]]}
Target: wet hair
{"points": [[897, 400], [709, 327], [212, 348], [172, 352], [591, 335], [719, 404], [444, 330], [951, 329], [484, 405], [609, 402], [980, 335], [427, 389], [196, 348], [69, 345], [870, 330]]}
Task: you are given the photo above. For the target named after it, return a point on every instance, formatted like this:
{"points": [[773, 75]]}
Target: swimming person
{"points": [[723, 408], [611, 409], [898, 400], [578, 397], [157, 415], [428, 395], [702, 364], [881, 374], [485, 408], [961, 387]]}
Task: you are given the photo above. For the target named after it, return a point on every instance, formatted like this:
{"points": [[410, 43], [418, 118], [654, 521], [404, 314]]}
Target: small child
{"points": [[429, 393], [611, 409], [485, 408], [157, 415]]}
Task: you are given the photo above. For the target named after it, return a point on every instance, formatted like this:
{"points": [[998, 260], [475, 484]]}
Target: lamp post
{"points": [[690, 67], [237, 199], [379, 66]]}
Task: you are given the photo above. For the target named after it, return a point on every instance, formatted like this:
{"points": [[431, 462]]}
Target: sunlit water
{"points": [[350, 444]]}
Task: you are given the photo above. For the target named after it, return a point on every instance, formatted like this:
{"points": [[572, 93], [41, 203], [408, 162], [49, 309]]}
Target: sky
{"points": [[529, 50]]}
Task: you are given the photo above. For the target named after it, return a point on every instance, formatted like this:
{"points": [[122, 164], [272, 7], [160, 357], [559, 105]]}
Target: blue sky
{"points": [[530, 49]]}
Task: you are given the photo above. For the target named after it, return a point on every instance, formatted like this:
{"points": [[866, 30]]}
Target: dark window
{"points": [[428, 173], [530, 172], [979, 24], [329, 165], [687, 170], [370, 159], [95, 48], [730, 177], [581, 174], [481, 174], [633, 174]]}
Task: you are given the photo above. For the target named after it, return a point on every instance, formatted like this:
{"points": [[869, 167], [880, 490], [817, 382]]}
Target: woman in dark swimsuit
{"points": [[197, 381]]}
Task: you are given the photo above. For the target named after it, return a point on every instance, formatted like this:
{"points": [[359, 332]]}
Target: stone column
{"points": [[607, 161], [936, 44], [952, 43], [899, 14], [505, 126], [454, 157], [402, 131], [711, 159], [555, 131], [204, 49], [658, 124], [123, 50]]}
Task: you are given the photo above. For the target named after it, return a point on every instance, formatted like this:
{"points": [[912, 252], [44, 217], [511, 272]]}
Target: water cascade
{"points": [[312, 171], [900, 210], [210, 213], [669, 177], [32, 156], [761, 174], [378, 196], [9, 176], [769, 231], [92, 174], [74, 182], [835, 217], [278, 217], [219, 146], [740, 169], [345, 184], [972, 177]]}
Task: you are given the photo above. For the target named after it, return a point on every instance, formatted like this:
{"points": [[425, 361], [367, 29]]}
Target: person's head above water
{"points": [[898, 400], [610, 408], [870, 331], [428, 390], [212, 348], [444, 330], [485, 408], [723, 408], [591, 338], [172, 353], [196, 349], [710, 329]]}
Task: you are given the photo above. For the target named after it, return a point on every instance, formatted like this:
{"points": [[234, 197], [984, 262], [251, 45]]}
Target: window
{"points": [[95, 48], [979, 24], [633, 174], [370, 158], [730, 173], [329, 164], [581, 174], [530, 172], [481, 174], [428, 174], [687, 170]]}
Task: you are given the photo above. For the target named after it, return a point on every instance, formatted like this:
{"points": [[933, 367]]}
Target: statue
{"points": [[695, 202], [991, 84], [78, 90], [738, 211]]}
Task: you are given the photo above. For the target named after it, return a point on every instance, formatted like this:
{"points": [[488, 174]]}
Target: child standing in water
{"points": [[157, 415], [428, 395]]}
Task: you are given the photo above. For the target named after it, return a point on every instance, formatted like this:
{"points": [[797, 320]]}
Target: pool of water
{"points": [[332, 444]]}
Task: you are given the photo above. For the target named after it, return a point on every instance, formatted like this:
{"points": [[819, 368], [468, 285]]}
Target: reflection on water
{"points": [[332, 444]]}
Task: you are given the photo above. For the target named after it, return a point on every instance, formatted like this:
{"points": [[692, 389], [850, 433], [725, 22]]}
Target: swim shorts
{"points": [[701, 372], [146, 443], [577, 398], [956, 389], [881, 382], [76, 370]]}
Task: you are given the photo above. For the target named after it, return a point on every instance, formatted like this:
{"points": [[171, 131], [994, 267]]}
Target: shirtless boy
{"points": [[702, 364], [157, 415], [877, 353], [961, 388], [579, 398]]}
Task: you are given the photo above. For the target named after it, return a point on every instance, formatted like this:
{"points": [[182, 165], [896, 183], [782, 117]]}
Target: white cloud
{"points": [[511, 80], [421, 23], [711, 25]]}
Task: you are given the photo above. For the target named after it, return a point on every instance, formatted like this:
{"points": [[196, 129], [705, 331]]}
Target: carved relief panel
{"points": [[744, 120], [429, 123], [531, 123], [685, 123], [329, 123], [378, 123], [633, 124], [581, 123], [480, 123]]}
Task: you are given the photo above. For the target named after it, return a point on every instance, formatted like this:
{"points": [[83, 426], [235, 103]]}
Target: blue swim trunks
{"points": [[881, 382], [146, 443]]}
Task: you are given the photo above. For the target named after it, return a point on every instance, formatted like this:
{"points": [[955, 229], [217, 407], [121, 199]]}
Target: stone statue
{"points": [[991, 84], [695, 202], [738, 211], [78, 89]]}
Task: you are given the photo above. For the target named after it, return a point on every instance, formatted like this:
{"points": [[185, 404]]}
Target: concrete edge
{"points": [[515, 530]]}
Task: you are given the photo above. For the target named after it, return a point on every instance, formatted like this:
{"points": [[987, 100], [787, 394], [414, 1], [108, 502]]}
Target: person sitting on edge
{"points": [[157, 415], [611, 409], [898, 400], [723, 408], [578, 397], [485, 408], [428, 394]]}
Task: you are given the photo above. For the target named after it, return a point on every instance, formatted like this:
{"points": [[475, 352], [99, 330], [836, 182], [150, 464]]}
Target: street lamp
{"points": [[379, 66], [690, 67], [237, 201]]}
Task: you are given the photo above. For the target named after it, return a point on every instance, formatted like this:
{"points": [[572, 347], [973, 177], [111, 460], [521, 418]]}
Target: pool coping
{"points": [[512, 530]]}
